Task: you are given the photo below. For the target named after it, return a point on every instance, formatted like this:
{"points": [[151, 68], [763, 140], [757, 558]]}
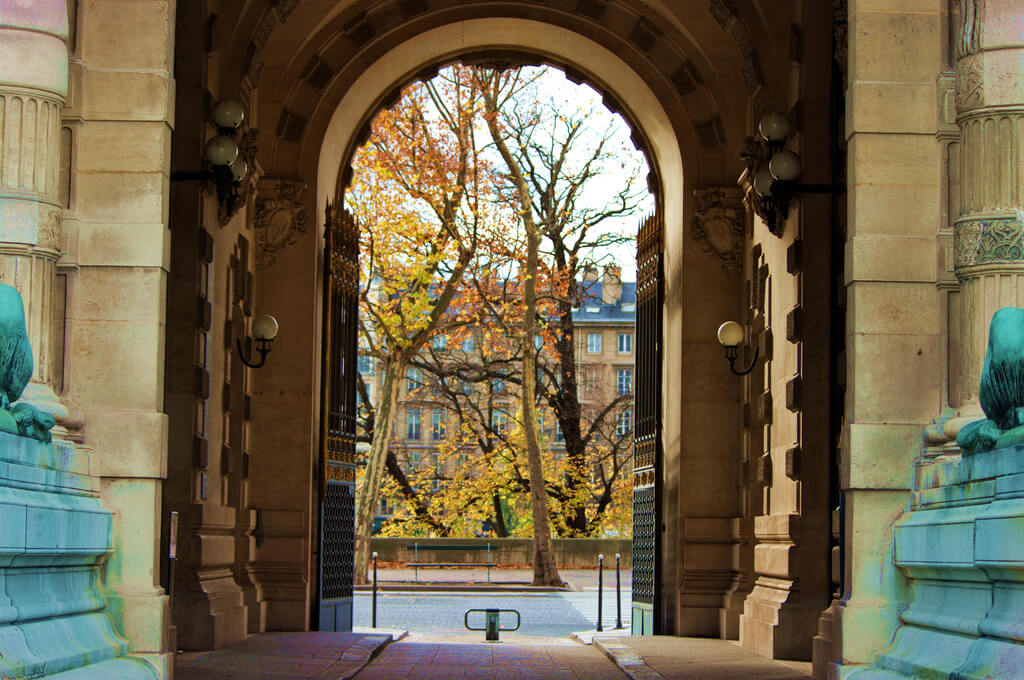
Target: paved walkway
{"points": [[283, 656], [420, 658], [671, 658]]}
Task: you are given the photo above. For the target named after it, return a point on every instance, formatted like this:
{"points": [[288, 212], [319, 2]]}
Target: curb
{"points": [[631, 663], [356, 657]]}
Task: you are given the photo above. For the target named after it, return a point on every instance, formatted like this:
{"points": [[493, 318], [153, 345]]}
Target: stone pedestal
{"points": [[55, 536], [962, 551]]}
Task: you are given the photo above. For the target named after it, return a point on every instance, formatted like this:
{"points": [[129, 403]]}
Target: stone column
{"points": [[33, 89], [989, 231]]}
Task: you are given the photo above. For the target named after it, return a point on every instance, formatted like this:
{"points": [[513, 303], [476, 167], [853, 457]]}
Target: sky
{"points": [[558, 88]]}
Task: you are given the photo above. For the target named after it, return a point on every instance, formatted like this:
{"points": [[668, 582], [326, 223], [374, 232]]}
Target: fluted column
{"points": [[989, 231], [33, 88]]}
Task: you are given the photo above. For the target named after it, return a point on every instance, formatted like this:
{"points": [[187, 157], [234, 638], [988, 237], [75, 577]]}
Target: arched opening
{"points": [[347, 131]]}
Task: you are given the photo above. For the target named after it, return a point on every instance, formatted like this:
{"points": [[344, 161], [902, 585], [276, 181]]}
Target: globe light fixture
{"points": [[730, 335], [784, 165], [264, 330], [774, 127], [221, 150], [228, 166], [228, 114], [772, 171]]}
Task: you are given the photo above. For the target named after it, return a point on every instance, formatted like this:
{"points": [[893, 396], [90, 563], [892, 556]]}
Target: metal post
{"points": [[172, 552], [416, 558], [488, 562], [492, 625], [618, 594], [600, 591], [374, 590]]}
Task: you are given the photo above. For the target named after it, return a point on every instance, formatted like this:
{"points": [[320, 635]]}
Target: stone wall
{"points": [[570, 553]]}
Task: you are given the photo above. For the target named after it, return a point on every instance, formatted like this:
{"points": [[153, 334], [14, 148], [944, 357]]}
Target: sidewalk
{"points": [[283, 656], [424, 658], [666, 657]]}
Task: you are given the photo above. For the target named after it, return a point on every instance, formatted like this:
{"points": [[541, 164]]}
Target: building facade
{"points": [[818, 507], [427, 419]]}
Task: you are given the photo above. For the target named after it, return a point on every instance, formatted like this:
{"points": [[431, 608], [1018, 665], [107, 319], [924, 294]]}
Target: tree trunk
{"points": [[367, 494], [570, 415], [545, 571], [499, 518]]}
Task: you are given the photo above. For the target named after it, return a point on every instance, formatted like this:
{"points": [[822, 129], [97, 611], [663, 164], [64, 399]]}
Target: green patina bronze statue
{"points": [[16, 370], [1002, 387]]}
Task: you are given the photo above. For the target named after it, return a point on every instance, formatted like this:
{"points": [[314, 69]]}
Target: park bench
{"points": [[416, 564]]}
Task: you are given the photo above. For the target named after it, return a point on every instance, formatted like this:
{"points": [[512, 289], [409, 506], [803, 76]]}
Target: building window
{"points": [[412, 423], [625, 343], [414, 379], [414, 462], [440, 341], [624, 423], [624, 381], [497, 385], [384, 506], [437, 425], [467, 344], [465, 387], [591, 379], [538, 342], [363, 365], [463, 460], [499, 421], [594, 343], [559, 435], [438, 471]]}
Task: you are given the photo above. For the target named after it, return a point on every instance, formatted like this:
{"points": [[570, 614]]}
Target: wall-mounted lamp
{"points": [[730, 335], [228, 167], [264, 330], [773, 171]]}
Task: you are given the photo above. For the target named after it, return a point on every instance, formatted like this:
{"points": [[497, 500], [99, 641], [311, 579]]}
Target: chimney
{"points": [[590, 274], [611, 285]]}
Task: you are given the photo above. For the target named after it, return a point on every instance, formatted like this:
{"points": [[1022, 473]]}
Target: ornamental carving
{"points": [[280, 219], [989, 241], [968, 35], [970, 84], [49, 235], [718, 228]]}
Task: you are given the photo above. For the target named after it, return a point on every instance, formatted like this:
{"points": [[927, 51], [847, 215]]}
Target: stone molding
{"points": [[989, 241], [280, 218], [718, 227]]}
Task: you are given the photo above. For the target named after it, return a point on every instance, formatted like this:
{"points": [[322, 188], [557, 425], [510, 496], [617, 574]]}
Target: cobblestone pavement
{"points": [[419, 658], [546, 614]]}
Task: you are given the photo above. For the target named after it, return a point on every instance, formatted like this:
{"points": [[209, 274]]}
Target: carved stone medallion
{"points": [[280, 217], [718, 227]]}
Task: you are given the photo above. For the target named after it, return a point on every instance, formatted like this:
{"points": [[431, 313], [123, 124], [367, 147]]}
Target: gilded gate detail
{"points": [[647, 438], [338, 454]]}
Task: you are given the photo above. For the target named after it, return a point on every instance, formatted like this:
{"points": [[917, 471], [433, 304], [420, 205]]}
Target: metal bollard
{"points": [[600, 591], [374, 590], [491, 626], [172, 552], [618, 594]]}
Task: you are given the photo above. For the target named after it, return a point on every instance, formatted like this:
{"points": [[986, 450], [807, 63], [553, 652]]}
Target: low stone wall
{"points": [[570, 553]]}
